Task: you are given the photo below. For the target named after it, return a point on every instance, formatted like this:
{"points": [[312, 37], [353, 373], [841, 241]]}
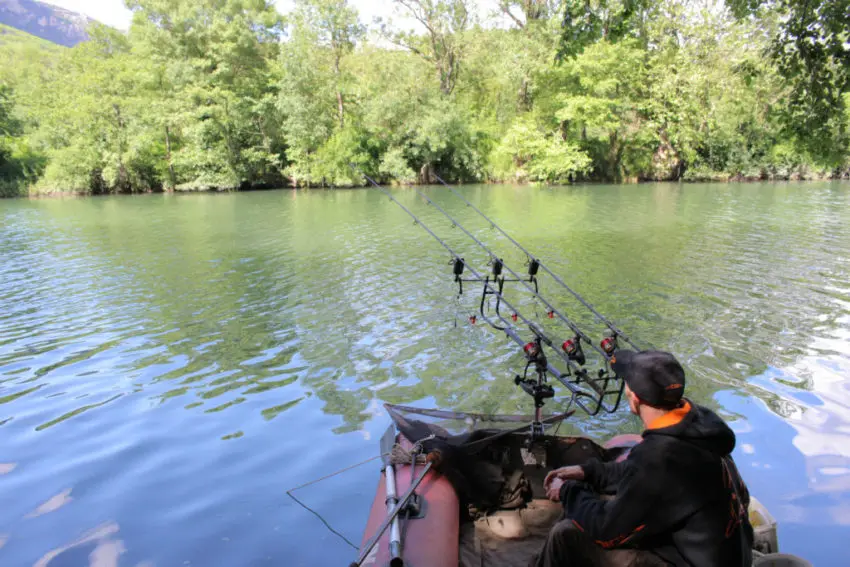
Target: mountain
{"points": [[10, 38], [52, 23]]}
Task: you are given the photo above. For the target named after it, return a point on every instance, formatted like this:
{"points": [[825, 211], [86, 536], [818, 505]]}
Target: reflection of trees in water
{"points": [[209, 294], [337, 293], [702, 271]]}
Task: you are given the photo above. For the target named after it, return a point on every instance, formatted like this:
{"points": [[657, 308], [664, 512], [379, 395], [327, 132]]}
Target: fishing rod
{"points": [[500, 264], [460, 264], [535, 260], [534, 350]]}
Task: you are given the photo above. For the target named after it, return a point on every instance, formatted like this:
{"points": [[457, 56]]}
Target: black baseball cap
{"points": [[656, 377]]}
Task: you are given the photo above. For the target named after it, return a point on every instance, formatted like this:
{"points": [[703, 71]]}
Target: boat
{"points": [[488, 508]]}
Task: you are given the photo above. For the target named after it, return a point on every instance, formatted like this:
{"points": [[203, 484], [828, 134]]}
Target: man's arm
{"points": [[614, 523], [604, 477]]}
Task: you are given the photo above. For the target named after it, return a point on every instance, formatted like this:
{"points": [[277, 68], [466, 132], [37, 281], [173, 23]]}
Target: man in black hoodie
{"points": [[678, 498]]}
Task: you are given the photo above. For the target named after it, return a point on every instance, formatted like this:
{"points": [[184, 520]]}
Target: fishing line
{"points": [[326, 477]]}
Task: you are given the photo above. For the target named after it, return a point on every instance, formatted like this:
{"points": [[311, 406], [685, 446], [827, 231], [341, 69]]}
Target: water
{"points": [[170, 365]]}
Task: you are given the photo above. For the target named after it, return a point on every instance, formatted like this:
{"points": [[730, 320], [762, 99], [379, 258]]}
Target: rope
{"points": [[566, 409], [326, 477], [346, 469], [327, 525], [398, 456], [401, 456]]}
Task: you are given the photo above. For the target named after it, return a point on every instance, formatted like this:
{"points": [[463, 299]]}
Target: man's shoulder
{"points": [[651, 448], [660, 453]]}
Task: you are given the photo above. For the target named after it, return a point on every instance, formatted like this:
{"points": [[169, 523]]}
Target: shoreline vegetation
{"points": [[229, 95], [716, 180]]}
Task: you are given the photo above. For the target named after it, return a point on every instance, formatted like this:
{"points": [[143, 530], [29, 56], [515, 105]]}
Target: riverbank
{"points": [[701, 177]]}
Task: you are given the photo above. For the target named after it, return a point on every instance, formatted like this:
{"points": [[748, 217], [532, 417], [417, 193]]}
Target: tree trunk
{"points": [[122, 183], [425, 177], [341, 109], [172, 179], [614, 155], [667, 164], [524, 99], [340, 105]]}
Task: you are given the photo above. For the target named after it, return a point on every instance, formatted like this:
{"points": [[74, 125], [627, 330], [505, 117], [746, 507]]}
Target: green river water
{"points": [[171, 364]]}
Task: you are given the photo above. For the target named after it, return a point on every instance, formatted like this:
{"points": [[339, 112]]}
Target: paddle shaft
{"points": [[402, 503], [392, 504]]}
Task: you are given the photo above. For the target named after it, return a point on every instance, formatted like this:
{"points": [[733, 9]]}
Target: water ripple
{"points": [[181, 360]]}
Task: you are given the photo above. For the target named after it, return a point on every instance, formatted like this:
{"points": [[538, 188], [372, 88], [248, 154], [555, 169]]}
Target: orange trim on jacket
{"points": [[672, 417], [615, 542]]}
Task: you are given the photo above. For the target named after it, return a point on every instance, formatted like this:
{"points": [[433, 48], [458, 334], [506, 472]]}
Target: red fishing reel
{"points": [[609, 343], [573, 350], [532, 350]]}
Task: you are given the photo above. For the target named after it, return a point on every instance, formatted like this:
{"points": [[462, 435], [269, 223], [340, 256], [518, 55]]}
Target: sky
{"points": [[114, 13]]}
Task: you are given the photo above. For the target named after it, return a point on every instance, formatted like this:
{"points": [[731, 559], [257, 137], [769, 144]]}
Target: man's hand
{"points": [[553, 490], [566, 473]]}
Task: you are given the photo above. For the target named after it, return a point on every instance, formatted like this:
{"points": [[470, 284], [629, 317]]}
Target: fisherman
{"points": [[678, 498]]}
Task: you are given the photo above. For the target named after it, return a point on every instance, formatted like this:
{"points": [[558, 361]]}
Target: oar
{"points": [[387, 442], [391, 519]]}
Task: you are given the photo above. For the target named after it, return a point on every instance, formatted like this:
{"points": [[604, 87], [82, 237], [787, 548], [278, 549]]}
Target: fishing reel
{"points": [[573, 350], [609, 344]]}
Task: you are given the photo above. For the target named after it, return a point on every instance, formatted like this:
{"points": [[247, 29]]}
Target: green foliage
{"points": [[443, 43], [216, 58], [811, 48], [228, 94], [602, 106], [331, 164], [395, 166], [586, 22], [528, 153]]}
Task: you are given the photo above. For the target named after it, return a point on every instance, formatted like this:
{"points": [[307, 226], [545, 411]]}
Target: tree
{"points": [[89, 119], [603, 106], [529, 10], [444, 22], [588, 21], [812, 50], [218, 54], [10, 173], [336, 27], [531, 154], [311, 99]]}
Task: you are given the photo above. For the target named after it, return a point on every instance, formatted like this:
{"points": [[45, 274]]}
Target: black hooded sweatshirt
{"points": [[678, 495]]}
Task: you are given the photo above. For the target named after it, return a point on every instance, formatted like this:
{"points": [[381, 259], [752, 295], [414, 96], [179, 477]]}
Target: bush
{"points": [[527, 153]]}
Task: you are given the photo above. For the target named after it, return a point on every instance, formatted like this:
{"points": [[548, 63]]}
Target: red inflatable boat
{"points": [[481, 502], [441, 532]]}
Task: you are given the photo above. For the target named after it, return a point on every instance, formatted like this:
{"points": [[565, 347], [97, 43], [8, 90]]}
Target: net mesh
{"points": [[486, 457]]}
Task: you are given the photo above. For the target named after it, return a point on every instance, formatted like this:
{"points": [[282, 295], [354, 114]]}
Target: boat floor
{"points": [[510, 538]]}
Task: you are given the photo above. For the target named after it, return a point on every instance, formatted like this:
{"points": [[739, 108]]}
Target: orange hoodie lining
{"points": [[671, 418]]}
